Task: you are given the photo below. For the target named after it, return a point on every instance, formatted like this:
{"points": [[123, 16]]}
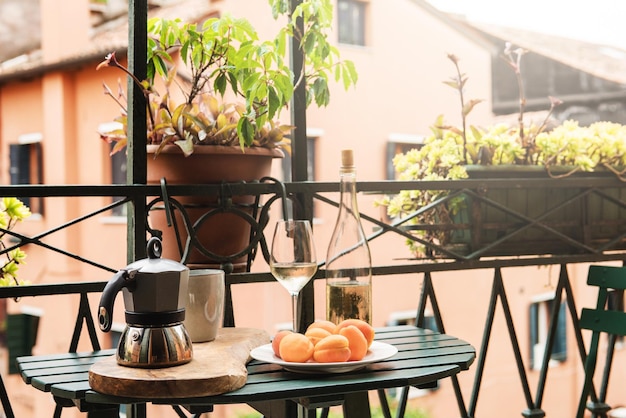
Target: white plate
{"points": [[378, 351]]}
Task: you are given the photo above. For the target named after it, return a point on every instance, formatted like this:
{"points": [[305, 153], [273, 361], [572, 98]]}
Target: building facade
{"points": [[52, 106]]}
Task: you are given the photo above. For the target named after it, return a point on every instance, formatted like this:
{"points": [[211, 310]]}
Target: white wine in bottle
{"points": [[348, 259]]}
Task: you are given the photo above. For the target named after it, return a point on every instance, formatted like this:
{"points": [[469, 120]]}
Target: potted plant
{"points": [[12, 211], [469, 223], [217, 89]]}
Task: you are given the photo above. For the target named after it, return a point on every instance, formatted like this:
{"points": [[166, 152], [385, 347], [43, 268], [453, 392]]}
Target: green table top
{"points": [[423, 357]]}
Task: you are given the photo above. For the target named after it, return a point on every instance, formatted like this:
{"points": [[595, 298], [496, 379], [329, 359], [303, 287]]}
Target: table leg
{"points": [[306, 413], [104, 413], [356, 405], [136, 410], [283, 409]]}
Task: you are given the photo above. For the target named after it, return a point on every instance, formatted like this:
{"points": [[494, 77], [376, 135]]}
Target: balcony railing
{"points": [[582, 250]]}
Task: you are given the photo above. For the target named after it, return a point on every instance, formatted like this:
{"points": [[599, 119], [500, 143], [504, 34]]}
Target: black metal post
{"points": [[298, 108], [137, 157], [299, 158]]}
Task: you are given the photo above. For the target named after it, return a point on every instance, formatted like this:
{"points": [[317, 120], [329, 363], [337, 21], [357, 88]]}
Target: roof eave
{"points": [[70, 64]]}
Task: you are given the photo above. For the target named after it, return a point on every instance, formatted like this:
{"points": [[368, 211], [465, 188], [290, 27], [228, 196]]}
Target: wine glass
{"points": [[292, 258]]}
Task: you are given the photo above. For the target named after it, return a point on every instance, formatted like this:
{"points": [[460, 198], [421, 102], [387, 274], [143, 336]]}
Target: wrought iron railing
{"points": [[584, 251]]}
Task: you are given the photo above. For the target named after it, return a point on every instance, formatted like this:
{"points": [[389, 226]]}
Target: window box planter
{"points": [[538, 219]]}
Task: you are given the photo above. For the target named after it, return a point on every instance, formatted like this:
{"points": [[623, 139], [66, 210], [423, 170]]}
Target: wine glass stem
{"points": [[294, 310]]}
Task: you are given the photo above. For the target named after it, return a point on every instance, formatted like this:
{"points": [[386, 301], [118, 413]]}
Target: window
{"points": [[21, 334], [118, 176], [540, 312], [409, 318], [118, 165], [287, 162], [400, 144], [310, 155], [351, 22], [26, 166]]}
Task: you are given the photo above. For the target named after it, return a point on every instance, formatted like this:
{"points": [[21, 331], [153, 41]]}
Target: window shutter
{"points": [[559, 351], [21, 337], [19, 155], [26, 167], [533, 311]]}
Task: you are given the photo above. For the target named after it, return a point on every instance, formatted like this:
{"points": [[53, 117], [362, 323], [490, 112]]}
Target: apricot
{"points": [[356, 342], [366, 329], [295, 348], [316, 334], [327, 325], [276, 341], [332, 349]]}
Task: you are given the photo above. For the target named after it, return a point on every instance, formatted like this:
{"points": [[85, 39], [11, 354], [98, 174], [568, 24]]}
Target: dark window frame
{"points": [[287, 161], [559, 349], [118, 176], [352, 20], [26, 167], [398, 146]]}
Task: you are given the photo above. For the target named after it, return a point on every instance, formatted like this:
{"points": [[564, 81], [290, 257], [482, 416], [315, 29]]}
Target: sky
{"points": [[598, 21]]}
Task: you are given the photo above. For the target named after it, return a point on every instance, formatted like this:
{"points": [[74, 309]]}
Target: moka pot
{"points": [[155, 294]]}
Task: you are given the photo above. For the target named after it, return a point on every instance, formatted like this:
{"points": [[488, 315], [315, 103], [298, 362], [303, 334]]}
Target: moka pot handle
{"points": [[121, 279]]}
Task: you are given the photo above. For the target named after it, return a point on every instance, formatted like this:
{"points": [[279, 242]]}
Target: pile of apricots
{"points": [[325, 342]]}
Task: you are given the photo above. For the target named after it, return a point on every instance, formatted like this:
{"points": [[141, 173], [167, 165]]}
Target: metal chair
{"points": [[601, 319]]}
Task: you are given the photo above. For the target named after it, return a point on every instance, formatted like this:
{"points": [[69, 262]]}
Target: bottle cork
{"points": [[347, 158]]}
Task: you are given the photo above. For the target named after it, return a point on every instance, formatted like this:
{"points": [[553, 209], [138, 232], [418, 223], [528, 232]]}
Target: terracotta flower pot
{"points": [[223, 234]]}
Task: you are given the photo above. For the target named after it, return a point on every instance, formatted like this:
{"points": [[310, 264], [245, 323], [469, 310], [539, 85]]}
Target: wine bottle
{"points": [[348, 259]]}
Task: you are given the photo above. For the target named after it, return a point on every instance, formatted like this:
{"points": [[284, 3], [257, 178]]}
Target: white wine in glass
{"points": [[292, 259]]}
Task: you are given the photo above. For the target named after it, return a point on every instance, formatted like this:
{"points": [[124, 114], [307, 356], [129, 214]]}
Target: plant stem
{"points": [[460, 84]]}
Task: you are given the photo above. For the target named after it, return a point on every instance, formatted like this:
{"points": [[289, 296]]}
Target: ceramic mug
{"points": [[204, 312]]}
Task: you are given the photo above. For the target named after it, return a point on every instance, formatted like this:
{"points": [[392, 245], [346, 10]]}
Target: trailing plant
{"points": [[449, 150], [12, 211], [231, 85]]}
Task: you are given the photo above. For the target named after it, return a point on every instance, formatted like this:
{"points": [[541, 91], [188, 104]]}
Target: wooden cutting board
{"points": [[216, 367]]}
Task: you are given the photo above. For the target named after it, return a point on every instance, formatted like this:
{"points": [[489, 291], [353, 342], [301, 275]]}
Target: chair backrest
{"points": [[599, 319]]}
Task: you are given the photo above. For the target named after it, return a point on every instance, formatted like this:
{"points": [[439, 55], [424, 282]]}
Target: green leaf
{"points": [[350, 75], [284, 84], [321, 92], [160, 66], [245, 132], [467, 108], [233, 82], [274, 102], [220, 83]]}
